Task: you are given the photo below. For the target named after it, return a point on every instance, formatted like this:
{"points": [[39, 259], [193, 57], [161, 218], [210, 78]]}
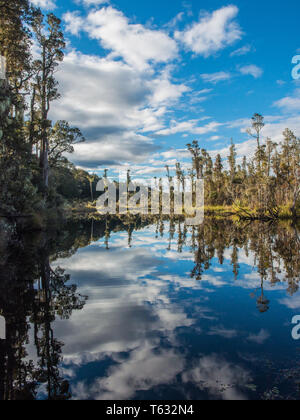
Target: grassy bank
{"points": [[82, 209]]}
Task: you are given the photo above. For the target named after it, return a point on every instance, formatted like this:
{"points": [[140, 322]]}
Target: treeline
{"points": [[257, 187], [35, 176]]}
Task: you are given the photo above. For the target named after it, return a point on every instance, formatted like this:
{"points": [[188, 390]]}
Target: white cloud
{"points": [[290, 103], [44, 4], [213, 32], [173, 22], [190, 126], [276, 127], [136, 44], [242, 51], [216, 77], [113, 104], [73, 22], [252, 70], [165, 92], [92, 2]]}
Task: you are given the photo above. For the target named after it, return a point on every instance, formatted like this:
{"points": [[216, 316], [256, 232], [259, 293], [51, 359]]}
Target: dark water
{"points": [[111, 311]]}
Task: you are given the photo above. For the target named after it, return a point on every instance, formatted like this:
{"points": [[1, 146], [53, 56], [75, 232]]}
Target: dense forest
{"points": [[34, 174], [36, 178]]}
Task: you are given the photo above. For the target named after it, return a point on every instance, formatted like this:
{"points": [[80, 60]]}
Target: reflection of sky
{"points": [[149, 330]]}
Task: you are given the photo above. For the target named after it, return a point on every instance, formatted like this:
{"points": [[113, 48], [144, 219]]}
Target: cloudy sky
{"points": [[142, 79]]}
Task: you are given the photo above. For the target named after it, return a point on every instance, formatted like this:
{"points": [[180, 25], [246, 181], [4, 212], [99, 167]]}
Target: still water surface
{"points": [[160, 312]]}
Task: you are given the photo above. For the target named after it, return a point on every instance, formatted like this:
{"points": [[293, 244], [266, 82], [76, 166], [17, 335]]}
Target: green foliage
{"points": [[35, 176], [264, 187]]}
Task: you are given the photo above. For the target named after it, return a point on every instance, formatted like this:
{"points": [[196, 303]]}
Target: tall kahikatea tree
{"points": [[195, 151], [15, 40], [50, 41], [16, 190], [258, 123]]}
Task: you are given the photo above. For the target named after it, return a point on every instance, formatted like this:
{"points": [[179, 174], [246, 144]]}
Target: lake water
{"points": [[161, 312]]}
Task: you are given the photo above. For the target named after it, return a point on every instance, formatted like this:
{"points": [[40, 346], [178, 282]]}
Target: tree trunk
{"points": [[44, 135], [91, 187]]}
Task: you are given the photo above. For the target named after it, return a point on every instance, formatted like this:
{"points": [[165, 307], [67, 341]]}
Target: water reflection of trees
{"points": [[33, 294], [275, 247]]}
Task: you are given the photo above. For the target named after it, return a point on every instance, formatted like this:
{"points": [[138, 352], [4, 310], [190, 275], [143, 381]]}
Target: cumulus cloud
{"points": [[290, 103], [136, 44], [251, 70], [44, 4], [117, 103], [189, 127], [212, 33], [74, 22], [114, 104]]}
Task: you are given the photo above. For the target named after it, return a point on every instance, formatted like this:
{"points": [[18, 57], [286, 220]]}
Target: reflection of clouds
{"points": [[145, 369], [182, 282], [128, 311], [135, 305], [220, 378], [192, 283], [215, 281], [117, 263], [223, 332], [253, 281], [219, 269], [183, 256], [259, 338], [244, 258], [292, 302]]}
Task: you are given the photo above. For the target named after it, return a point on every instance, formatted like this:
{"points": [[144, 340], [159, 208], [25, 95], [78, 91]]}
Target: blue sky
{"points": [[142, 79]]}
